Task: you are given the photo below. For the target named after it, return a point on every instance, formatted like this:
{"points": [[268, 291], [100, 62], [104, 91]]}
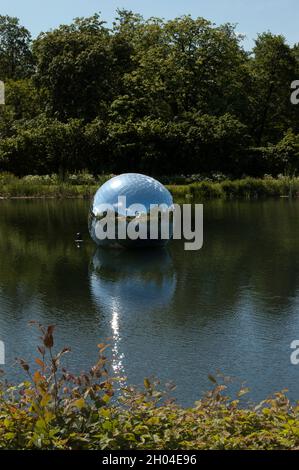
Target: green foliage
{"points": [[153, 96], [272, 69], [74, 185], [44, 145], [55, 409], [23, 100], [84, 184], [16, 61], [246, 188], [73, 65]]}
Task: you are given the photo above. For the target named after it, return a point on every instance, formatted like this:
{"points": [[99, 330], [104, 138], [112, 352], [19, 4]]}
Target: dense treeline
{"points": [[160, 97]]}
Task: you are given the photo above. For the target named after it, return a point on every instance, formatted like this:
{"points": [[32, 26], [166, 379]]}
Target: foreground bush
{"points": [[55, 409]]}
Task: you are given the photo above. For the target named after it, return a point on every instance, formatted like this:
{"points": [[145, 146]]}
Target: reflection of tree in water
{"points": [[247, 246], [38, 256]]}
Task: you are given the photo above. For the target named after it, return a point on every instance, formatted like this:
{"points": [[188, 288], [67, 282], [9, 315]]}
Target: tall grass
{"points": [[84, 185], [49, 186], [247, 188]]}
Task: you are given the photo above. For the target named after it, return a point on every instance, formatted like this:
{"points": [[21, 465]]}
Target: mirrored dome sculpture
{"points": [[132, 197]]}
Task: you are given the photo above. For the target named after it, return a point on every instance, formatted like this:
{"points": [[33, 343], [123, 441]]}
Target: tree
{"points": [[22, 99], [180, 66], [155, 96], [44, 146], [73, 69], [273, 68], [16, 61]]}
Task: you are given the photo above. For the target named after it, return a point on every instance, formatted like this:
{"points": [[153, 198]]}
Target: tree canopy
{"points": [[163, 97]]}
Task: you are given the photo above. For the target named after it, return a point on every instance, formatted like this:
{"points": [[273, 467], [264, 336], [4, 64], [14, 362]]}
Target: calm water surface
{"points": [[231, 307]]}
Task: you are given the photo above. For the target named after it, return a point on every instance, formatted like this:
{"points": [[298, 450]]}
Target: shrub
{"points": [[82, 177], [55, 409], [84, 185]]}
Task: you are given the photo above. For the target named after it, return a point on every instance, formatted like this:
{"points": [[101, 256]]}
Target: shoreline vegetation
{"points": [[55, 409], [183, 189], [155, 96]]}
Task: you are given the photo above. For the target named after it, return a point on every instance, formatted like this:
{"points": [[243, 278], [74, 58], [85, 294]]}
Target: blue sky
{"points": [[252, 16]]}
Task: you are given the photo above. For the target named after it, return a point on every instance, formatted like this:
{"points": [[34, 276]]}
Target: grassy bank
{"points": [[84, 186], [247, 188], [54, 409], [49, 186]]}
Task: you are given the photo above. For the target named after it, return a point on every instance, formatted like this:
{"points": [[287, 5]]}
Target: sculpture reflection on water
{"points": [[127, 281]]}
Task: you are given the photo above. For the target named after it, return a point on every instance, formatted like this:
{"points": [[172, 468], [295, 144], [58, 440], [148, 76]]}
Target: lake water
{"points": [[231, 307]]}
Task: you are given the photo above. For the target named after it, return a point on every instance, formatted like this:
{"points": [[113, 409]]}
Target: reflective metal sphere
{"points": [[138, 189]]}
